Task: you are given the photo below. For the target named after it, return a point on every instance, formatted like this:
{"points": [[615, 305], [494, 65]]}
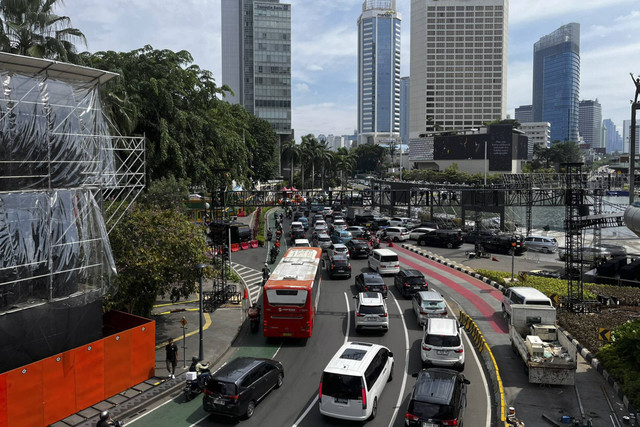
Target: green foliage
{"points": [[368, 157], [622, 359], [451, 175], [155, 253], [167, 193], [545, 285], [261, 225], [190, 132]]}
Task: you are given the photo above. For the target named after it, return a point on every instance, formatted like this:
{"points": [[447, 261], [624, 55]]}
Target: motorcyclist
{"points": [[269, 235], [265, 273], [106, 420]]}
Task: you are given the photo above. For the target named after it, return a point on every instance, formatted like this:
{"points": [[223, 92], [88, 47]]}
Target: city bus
{"points": [[289, 294]]}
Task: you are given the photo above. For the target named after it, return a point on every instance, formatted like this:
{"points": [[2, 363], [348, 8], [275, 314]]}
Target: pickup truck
{"points": [[550, 357]]}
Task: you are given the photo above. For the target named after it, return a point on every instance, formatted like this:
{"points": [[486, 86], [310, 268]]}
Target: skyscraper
{"points": [[458, 63], [405, 87], [612, 138], [524, 113], [256, 59], [590, 123], [378, 72], [626, 136], [556, 82]]}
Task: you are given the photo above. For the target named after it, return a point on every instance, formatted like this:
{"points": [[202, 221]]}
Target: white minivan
{"points": [[384, 261], [353, 381], [523, 295]]}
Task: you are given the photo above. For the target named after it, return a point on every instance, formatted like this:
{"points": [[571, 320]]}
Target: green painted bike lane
{"points": [[178, 412]]}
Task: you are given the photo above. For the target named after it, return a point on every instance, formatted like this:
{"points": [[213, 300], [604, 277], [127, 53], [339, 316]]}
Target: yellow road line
{"points": [[175, 303], [207, 323]]}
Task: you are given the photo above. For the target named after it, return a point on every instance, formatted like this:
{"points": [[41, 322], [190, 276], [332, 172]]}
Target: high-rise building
{"points": [[626, 136], [524, 114], [590, 123], [404, 109], [256, 59], [378, 72], [612, 138], [458, 63], [538, 134], [556, 82]]}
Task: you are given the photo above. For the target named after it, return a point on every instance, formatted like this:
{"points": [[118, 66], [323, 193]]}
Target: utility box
{"points": [[534, 346], [545, 332]]}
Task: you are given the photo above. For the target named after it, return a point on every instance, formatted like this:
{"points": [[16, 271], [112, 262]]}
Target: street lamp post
{"points": [[201, 268]]}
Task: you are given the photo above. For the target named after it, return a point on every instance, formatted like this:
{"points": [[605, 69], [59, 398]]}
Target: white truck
{"points": [[549, 355]]}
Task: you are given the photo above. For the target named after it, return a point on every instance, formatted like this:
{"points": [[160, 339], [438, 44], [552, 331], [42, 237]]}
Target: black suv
{"points": [[371, 282], [503, 243], [438, 398], [339, 265], [445, 238], [358, 249], [236, 388], [409, 281]]}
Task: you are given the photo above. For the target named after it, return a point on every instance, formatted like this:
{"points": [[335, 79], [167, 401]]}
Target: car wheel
{"points": [[396, 239], [374, 409], [279, 381], [422, 242], [250, 409], [546, 250], [449, 245]]}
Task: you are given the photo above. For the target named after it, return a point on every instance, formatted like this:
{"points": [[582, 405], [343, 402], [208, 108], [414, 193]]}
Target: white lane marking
{"points": [[133, 420], [277, 350], [346, 333], [315, 400], [201, 419], [406, 358]]}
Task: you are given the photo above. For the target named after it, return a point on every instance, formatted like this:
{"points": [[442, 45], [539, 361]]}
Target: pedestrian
{"points": [[172, 358]]}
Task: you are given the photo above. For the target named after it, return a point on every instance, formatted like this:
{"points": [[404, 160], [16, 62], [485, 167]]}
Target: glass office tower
{"points": [[556, 82], [256, 59], [379, 72]]}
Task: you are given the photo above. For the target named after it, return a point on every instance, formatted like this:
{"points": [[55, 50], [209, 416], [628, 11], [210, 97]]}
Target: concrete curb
{"points": [[584, 352]]}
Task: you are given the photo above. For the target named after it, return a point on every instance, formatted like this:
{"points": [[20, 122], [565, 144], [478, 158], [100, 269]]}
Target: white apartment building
{"points": [[539, 133], [458, 63]]}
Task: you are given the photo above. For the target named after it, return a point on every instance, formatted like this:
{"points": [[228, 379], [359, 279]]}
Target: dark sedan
{"points": [[409, 281], [235, 389], [371, 282], [358, 248]]}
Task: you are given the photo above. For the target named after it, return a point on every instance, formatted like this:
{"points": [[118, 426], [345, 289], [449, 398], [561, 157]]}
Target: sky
{"points": [[324, 48]]}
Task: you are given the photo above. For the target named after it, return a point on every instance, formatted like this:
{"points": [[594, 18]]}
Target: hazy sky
{"points": [[324, 47]]}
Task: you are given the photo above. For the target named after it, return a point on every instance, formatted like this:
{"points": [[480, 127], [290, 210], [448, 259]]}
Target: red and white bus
{"points": [[290, 293]]}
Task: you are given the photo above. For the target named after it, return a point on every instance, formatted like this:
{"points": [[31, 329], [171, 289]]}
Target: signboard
{"points": [[459, 147], [604, 334]]}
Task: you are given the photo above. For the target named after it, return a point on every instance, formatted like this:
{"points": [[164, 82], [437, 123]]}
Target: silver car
{"points": [[371, 312], [541, 243], [428, 304], [324, 241], [442, 344]]}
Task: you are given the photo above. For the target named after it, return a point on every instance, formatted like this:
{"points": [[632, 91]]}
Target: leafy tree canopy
{"points": [[368, 157]]}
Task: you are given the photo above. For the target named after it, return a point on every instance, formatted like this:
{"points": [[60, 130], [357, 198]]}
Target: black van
{"points": [[503, 243], [219, 232], [445, 238], [439, 397]]}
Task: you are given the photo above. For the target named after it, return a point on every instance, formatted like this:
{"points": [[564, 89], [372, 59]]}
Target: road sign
{"points": [[555, 298], [183, 322], [604, 335]]}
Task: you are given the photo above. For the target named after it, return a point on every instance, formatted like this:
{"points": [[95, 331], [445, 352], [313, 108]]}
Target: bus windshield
{"points": [[296, 297]]}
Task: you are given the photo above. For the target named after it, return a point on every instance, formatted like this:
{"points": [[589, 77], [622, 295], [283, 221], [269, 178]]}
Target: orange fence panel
{"points": [[3, 400], [89, 371], [254, 243], [24, 396], [117, 363], [58, 386], [143, 355], [235, 247], [244, 245]]}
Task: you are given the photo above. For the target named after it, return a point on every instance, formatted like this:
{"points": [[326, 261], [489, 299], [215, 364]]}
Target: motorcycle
{"points": [[195, 383], [273, 255], [254, 318]]}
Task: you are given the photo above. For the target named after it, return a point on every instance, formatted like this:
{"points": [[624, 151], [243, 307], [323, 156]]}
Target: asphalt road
{"points": [[296, 402]]}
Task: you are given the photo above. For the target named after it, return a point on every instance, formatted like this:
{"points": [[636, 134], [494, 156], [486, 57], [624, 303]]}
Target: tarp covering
{"points": [[55, 157]]}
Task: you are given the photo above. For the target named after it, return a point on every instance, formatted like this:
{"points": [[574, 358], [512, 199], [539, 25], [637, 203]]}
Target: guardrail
{"points": [[490, 362]]}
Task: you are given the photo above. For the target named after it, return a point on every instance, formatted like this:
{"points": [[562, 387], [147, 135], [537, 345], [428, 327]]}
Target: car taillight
{"points": [[406, 284], [397, 266], [208, 392], [384, 287], [349, 266], [444, 313], [366, 288], [411, 417], [453, 422], [234, 398], [426, 347], [358, 314], [460, 350], [332, 266], [384, 315], [364, 398], [320, 392]]}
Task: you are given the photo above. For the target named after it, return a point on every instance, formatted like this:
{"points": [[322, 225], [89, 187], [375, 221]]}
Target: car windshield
{"points": [[342, 386], [221, 387], [433, 305], [443, 340], [373, 280], [429, 410], [341, 262], [415, 280], [371, 309]]}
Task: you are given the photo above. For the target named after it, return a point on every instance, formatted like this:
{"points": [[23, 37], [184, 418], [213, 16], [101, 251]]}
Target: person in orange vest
{"points": [[278, 244]]}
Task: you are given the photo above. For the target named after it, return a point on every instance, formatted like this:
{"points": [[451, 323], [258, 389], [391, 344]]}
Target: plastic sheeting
{"points": [[55, 158]]}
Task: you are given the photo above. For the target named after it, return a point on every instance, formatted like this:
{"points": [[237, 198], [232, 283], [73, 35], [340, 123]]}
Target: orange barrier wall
{"points": [[51, 389]]}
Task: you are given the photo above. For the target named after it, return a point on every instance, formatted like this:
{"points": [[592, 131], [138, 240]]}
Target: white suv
{"points": [[442, 344], [371, 312], [397, 234]]}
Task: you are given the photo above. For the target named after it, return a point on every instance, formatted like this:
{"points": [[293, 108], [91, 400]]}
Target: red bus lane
{"points": [[481, 305]]}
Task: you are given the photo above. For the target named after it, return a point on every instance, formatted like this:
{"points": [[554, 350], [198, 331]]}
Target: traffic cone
{"points": [[390, 243], [246, 294], [495, 259]]}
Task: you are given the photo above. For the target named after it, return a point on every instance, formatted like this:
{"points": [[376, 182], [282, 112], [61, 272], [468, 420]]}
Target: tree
{"points": [[154, 250], [565, 152], [262, 143], [167, 193], [344, 162], [368, 157], [291, 151], [31, 28], [325, 156]]}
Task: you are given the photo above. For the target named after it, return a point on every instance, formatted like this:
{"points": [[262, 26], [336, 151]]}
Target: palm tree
{"points": [[345, 162], [393, 147], [291, 151], [310, 149], [31, 28], [325, 156]]}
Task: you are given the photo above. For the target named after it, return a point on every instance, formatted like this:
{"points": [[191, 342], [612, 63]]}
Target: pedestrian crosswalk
{"points": [[252, 278]]}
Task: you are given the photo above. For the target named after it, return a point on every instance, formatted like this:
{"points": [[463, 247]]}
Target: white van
{"points": [[522, 295], [302, 243], [353, 381], [384, 261]]}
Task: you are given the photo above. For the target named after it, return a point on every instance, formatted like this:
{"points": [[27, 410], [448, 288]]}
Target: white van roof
{"points": [[439, 326], [352, 358], [529, 293], [385, 252]]}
